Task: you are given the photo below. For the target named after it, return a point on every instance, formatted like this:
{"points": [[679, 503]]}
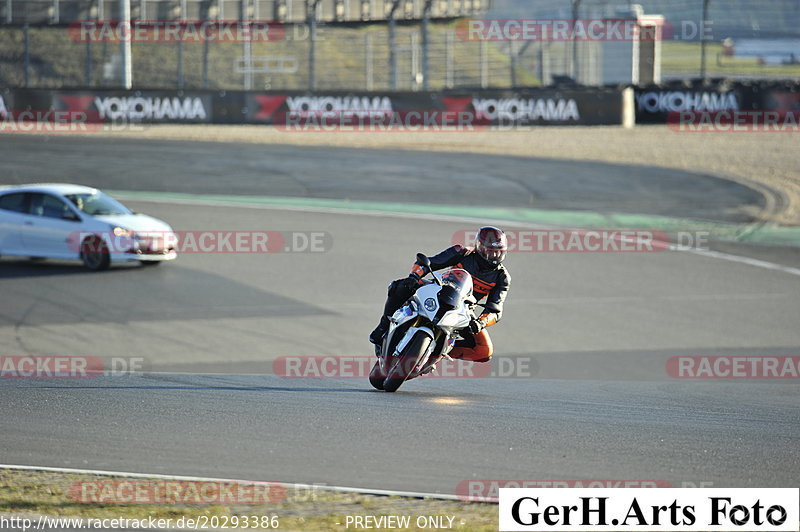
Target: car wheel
{"points": [[150, 262], [94, 254]]}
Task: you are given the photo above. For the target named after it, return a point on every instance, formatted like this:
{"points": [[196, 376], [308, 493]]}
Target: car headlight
{"points": [[121, 231]]}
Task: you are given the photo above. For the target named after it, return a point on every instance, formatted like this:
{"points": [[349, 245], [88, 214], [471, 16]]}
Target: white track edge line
{"points": [[745, 260], [343, 489]]}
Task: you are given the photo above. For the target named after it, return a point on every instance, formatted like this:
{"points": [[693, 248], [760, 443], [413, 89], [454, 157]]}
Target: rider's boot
{"points": [[376, 336]]}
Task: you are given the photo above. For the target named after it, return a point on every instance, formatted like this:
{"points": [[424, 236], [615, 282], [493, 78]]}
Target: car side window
{"points": [[14, 202], [48, 206]]}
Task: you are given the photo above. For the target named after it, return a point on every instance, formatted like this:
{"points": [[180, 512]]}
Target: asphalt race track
{"points": [[382, 175], [595, 331]]}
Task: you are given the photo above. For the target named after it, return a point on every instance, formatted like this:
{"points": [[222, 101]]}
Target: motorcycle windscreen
{"points": [[456, 286]]}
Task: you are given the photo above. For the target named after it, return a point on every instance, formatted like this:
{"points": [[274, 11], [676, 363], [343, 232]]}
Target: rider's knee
{"points": [[483, 346], [483, 353]]}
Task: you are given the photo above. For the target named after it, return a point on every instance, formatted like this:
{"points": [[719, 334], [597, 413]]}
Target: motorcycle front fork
{"points": [[433, 360]]}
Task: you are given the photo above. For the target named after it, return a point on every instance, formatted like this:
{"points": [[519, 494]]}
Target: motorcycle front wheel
{"points": [[406, 362], [376, 376]]}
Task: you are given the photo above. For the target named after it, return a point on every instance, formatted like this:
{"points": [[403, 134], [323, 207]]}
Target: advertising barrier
{"points": [[655, 104], [145, 106], [485, 108], [575, 106], [341, 110]]}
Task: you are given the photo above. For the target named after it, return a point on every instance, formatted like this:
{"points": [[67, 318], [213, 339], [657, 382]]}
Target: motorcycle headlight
{"points": [[449, 320]]}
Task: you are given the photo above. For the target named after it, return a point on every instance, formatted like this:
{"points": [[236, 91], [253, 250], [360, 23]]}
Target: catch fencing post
{"points": [[576, 5], [368, 59], [205, 63], [544, 63], [126, 69], [703, 41], [106, 78], [426, 13], [248, 50], [87, 73], [448, 58], [311, 18], [26, 39], [181, 66], [392, 45], [204, 10], [513, 63], [484, 66]]}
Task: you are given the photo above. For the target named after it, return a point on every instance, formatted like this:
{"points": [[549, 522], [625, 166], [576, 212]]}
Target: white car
{"points": [[63, 221]]}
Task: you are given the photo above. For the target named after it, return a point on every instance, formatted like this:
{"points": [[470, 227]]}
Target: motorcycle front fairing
{"points": [[438, 311], [412, 311], [455, 305]]}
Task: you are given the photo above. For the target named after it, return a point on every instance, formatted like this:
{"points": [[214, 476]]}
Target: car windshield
{"points": [[97, 204], [459, 279]]}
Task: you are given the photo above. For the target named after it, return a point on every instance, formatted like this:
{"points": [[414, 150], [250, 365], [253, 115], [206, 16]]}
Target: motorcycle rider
{"points": [[490, 279]]}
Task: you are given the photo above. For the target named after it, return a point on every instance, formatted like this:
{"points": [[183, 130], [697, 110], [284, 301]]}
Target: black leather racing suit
{"points": [[489, 281]]}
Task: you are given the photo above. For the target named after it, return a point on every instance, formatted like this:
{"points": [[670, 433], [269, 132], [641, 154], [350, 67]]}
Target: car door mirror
{"points": [[71, 216]]}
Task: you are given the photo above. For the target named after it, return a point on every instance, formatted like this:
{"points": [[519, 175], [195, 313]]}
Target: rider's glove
{"points": [[476, 325], [418, 271], [411, 282]]}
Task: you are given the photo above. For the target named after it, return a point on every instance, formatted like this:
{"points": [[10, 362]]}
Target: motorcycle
{"points": [[424, 330]]}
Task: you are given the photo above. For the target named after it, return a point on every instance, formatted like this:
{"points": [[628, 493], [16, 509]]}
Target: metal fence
{"points": [[37, 12], [343, 58], [744, 39], [354, 51]]}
